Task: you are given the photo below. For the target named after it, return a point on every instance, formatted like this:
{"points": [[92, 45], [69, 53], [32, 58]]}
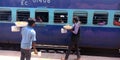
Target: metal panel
{"points": [[72, 4]]}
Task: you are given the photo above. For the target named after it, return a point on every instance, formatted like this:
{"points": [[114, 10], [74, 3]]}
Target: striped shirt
{"points": [[76, 27]]}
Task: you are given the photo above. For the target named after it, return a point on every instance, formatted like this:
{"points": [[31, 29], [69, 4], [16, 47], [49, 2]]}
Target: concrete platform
{"points": [[15, 55]]}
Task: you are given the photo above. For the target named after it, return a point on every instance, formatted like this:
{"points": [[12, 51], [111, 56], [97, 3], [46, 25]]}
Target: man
{"points": [[74, 39], [28, 40]]}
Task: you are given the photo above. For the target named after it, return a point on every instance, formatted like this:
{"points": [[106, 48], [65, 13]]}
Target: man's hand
{"points": [[35, 51], [34, 48]]}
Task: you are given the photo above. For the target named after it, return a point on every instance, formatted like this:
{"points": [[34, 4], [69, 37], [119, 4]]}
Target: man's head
{"points": [[31, 22], [75, 20]]}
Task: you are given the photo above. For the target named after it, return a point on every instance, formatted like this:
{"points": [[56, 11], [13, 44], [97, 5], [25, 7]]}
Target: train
{"points": [[97, 30]]}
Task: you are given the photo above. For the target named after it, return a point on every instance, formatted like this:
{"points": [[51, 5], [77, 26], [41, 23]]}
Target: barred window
{"points": [[100, 18], [5, 15], [41, 16], [82, 15], [60, 17], [22, 15], [117, 19]]}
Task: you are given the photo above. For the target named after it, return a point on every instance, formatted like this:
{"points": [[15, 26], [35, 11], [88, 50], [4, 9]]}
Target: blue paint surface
{"points": [[71, 4], [95, 37]]}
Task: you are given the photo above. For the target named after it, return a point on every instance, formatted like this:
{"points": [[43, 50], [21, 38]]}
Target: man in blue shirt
{"points": [[28, 40]]}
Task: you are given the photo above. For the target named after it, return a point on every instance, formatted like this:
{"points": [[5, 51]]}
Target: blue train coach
{"points": [[98, 29]]}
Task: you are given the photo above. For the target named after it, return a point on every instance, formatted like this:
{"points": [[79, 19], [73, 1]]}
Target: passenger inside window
{"points": [[62, 21], [116, 22], [39, 19], [101, 22]]}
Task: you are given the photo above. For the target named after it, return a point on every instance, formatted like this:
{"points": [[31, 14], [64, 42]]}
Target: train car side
{"points": [[100, 37], [94, 32]]}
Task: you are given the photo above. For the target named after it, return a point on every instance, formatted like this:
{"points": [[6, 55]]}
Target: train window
{"points": [[22, 15], [42, 16], [117, 19], [60, 17], [82, 15], [100, 18], [5, 15]]}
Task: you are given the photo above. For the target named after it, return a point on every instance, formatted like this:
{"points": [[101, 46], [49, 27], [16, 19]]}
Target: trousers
{"points": [[25, 54], [73, 46]]}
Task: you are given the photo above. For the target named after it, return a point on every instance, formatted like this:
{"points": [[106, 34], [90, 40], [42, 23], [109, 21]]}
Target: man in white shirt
{"points": [[74, 39]]}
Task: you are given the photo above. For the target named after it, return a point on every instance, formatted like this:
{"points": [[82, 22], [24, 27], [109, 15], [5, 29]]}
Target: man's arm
{"points": [[34, 47]]}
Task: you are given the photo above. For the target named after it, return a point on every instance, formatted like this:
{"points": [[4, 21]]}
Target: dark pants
{"points": [[73, 46], [25, 54]]}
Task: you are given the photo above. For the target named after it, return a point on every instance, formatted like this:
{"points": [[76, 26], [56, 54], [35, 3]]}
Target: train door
{"points": [[42, 16], [100, 17], [60, 16], [23, 15], [82, 15]]}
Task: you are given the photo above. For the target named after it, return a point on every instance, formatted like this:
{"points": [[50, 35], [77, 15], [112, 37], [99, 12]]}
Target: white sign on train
{"points": [[27, 2]]}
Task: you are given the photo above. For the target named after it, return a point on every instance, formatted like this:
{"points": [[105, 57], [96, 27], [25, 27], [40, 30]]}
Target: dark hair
{"points": [[76, 20], [31, 22]]}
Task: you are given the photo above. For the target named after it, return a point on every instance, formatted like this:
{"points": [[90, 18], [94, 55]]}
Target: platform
{"points": [[15, 55]]}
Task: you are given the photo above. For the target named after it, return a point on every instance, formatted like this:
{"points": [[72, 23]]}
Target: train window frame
{"points": [[25, 16], [8, 14], [98, 17], [60, 17], [116, 20], [82, 15], [42, 18]]}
